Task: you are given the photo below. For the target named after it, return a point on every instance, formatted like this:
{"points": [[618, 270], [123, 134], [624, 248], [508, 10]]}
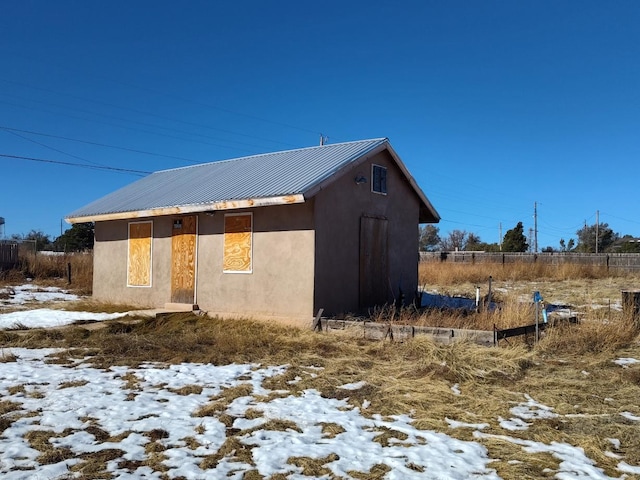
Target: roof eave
{"points": [[185, 209]]}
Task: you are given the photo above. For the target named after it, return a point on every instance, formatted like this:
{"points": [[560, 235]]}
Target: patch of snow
{"points": [[456, 389], [532, 410], [624, 467], [625, 362], [353, 386], [457, 424], [615, 442], [513, 424], [574, 464], [46, 317], [630, 416], [22, 294]]}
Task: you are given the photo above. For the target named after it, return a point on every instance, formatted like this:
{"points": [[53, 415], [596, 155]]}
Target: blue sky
{"points": [[493, 105]]}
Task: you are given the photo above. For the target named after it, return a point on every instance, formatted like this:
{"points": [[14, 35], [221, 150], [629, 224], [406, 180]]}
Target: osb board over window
{"points": [[139, 267], [238, 230]]}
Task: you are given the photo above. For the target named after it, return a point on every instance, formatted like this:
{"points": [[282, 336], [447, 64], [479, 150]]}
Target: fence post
{"points": [[69, 272], [631, 307]]}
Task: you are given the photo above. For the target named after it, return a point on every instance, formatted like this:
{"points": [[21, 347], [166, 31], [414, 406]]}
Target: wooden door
{"points": [[374, 262], [183, 259]]}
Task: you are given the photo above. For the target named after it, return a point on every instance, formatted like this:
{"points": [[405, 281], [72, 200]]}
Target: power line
{"points": [[82, 165], [99, 102], [2, 127], [620, 218], [164, 135], [50, 147]]}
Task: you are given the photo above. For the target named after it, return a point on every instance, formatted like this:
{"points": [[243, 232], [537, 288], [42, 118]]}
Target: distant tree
{"points": [[456, 240], [39, 238], [567, 247], [428, 238], [587, 238], [473, 242], [548, 249], [76, 239], [482, 247], [514, 240], [462, 240]]}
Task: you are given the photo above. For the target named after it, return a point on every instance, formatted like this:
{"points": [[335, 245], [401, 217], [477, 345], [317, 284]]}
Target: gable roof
{"points": [[269, 179]]}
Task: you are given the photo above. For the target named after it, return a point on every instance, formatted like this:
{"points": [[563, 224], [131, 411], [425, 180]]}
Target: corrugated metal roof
{"points": [[278, 174]]}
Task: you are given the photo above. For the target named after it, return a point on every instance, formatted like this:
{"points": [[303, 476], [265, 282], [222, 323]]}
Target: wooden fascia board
{"points": [[184, 209]]}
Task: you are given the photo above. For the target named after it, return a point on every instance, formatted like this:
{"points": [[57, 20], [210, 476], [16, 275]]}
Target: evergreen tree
{"points": [[514, 240], [587, 238], [76, 239]]}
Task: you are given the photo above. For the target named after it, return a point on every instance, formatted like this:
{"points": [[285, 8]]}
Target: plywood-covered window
{"points": [[139, 258], [238, 239]]}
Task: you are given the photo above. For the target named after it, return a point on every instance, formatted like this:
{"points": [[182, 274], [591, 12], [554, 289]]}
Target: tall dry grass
{"points": [[449, 273], [54, 269]]}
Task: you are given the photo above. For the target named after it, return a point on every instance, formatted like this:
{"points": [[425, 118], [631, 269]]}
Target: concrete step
{"points": [[180, 307]]}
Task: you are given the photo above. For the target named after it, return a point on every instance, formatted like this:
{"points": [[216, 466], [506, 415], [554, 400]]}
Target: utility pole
{"points": [[597, 227], [500, 236], [535, 227], [530, 233]]}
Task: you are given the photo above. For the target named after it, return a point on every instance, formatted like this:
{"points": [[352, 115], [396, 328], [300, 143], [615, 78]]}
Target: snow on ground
{"points": [[83, 405], [29, 294], [46, 317], [68, 401], [75, 401], [625, 362], [22, 294]]}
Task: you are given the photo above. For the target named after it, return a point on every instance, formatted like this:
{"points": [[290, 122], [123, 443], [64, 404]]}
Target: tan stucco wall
{"points": [[281, 283], [110, 264], [338, 209], [279, 287]]}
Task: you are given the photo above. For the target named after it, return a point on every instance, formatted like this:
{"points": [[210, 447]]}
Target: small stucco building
{"points": [[273, 236]]}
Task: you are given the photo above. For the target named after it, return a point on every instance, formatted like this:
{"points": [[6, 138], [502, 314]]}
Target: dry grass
{"points": [[415, 376], [570, 369], [53, 270], [448, 273]]}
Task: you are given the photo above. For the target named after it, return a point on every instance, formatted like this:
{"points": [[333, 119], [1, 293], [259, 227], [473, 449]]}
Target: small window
{"points": [[238, 233], [379, 182]]}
